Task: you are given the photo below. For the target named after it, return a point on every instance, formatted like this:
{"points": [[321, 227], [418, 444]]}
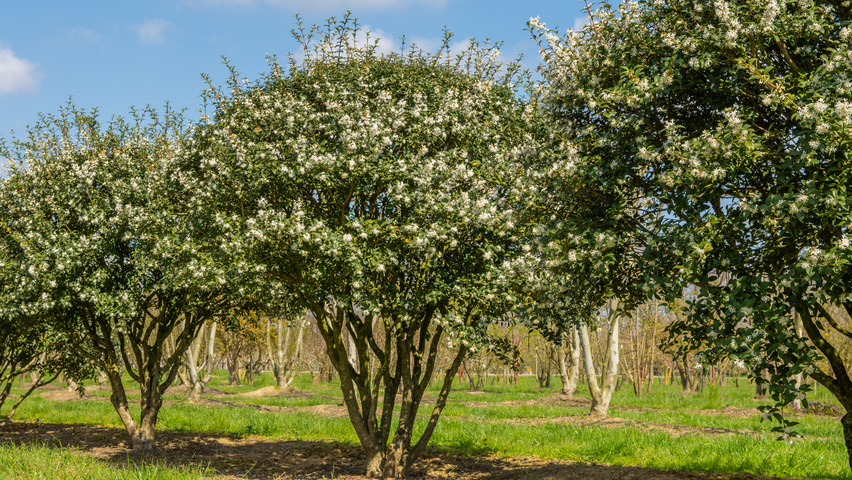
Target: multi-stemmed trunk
{"points": [[405, 353], [569, 361], [142, 434], [195, 380], [284, 364], [543, 362], [601, 396], [11, 369], [155, 370]]}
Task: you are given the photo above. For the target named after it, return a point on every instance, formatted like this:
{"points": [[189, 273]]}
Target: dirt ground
{"points": [[260, 458]]}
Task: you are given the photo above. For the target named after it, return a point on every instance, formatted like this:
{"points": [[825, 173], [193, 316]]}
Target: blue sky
{"points": [[116, 54]]}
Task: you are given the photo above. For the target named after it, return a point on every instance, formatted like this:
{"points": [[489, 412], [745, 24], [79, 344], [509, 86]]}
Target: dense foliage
{"points": [[99, 240], [380, 191], [731, 121]]}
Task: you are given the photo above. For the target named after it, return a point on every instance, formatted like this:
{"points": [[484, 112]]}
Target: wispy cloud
{"points": [[325, 5], [84, 35], [17, 74], [154, 30]]}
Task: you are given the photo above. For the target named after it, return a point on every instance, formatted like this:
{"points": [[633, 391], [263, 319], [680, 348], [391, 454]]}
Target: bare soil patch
{"points": [[324, 410], [580, 402], [262, 459], [264, 392], [63, 395], [184, 390], [732, 411]]}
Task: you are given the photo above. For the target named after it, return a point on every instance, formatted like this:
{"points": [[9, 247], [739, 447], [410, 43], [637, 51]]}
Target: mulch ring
{"points": [[229, 457]]}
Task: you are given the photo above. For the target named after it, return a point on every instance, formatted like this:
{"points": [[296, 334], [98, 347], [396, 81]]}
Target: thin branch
{"points": [[786, 54]]}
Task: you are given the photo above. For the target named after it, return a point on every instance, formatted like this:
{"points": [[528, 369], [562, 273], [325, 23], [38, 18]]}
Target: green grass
{"points": [[30, 462], [507, 420], [629, 446]]}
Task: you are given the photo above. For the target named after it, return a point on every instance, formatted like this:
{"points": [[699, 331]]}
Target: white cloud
{"points": [[17, 74], [579, 23], [153, 31], [385, 42], [325, 5]]}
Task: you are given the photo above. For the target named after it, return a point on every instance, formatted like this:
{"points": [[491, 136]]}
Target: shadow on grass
{"points": [[264, 458]]}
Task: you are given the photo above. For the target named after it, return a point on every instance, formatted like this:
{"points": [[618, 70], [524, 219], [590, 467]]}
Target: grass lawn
{"points": [[717, 430]]}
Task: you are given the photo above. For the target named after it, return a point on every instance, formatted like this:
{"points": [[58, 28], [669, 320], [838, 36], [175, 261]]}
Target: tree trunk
{"points": [[142, 440], [210, 362], [601, 396], [407, 358], [653, 348], [233, 370], [569, 362], [685, 374], [799, 378], [195, 385], [282, 346], [846, 421], [71, 386]]}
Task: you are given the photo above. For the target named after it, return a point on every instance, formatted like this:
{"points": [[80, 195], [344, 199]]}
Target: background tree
{"points": [[380, 190], [733, 118], [243, 348], [200, 359], [286, 355]]}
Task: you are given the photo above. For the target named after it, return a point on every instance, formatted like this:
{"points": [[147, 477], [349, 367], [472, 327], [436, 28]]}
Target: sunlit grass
{"points": [[505, 419], [31, 462]]}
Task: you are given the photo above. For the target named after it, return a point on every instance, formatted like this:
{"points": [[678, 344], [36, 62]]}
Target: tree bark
{"points": [[799, 378], [569, 362], [846, 421], [601, 396], [406, 361], [195, 384]]}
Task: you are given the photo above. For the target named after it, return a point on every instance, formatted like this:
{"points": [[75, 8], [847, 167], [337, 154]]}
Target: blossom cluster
{"points": [[387, 182]]}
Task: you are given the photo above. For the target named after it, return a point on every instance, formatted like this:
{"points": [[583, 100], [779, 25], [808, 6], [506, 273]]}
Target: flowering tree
{"points": [[732, 119], [99, 240], [586, 238], [379, 190]]}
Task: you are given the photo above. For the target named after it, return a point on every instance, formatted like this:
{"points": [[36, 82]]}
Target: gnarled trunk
{"points": [[152, 367], [405, 362]]}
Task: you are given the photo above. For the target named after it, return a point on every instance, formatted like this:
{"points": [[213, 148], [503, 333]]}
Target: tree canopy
{"points": [[731, 119], [100, 240], [380, 190]]}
